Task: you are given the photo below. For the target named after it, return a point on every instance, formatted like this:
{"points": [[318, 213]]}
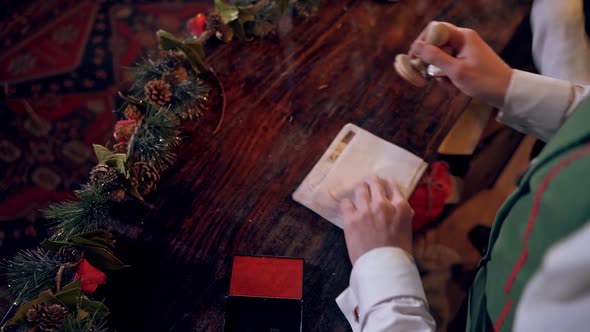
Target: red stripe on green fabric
{"points": [[585, 150], [503, 315]]}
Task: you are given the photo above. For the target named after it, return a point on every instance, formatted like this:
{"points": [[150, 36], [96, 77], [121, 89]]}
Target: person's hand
{"points": [[378, 216], [475, 69]]}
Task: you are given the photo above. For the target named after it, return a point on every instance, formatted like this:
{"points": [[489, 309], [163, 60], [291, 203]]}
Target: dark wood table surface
{"points": [[287, 98]]}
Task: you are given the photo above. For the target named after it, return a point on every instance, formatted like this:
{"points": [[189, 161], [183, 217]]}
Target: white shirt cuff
{"points": [[377, 276], [536, 104], [347, 302]]}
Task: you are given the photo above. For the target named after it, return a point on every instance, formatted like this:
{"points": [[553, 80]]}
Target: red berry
{"points": [[197, 25]]}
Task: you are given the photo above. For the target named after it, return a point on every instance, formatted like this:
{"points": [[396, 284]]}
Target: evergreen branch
{"points": [[189, 97], [91, 211], [144, 72], [155, 139], [74, 323], [30, 272]]}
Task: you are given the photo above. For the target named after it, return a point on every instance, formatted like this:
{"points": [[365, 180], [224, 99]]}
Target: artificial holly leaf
{"points": [[82, 242], [102, 259], [49, 298], [227, 12], [113, 158], [69, 298], [246, 13], [70, 295], [100, 236], [119, 162], [195, 60], [133, 101], [167, 41], [76, 284], [197, 47], [95, 308], [102, 153], [54, 245], [106, 243]]}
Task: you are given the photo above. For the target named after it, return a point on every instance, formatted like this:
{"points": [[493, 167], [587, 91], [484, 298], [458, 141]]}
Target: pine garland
{"points": [[89, 212], [155, 139], [30, 272]]}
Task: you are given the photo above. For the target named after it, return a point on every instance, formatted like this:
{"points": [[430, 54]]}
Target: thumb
{"points": [[434, 56]]}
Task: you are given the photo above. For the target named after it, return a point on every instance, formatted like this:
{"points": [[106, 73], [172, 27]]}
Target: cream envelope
{"points": [[353, 155]]}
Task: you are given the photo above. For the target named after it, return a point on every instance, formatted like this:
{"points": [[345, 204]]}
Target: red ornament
{"points": [[90, 277], [197, 24], [428, 200], [124, 129]]}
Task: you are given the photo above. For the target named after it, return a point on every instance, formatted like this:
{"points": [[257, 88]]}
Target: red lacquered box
{"points": [[265, 294]]}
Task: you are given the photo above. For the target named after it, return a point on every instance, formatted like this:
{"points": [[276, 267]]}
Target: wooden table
{"points": [[287, 98]]}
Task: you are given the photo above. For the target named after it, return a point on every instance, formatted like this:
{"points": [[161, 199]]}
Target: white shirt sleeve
{"points": [[565, 304], [539, 105], [561, 47], [386, 294]]}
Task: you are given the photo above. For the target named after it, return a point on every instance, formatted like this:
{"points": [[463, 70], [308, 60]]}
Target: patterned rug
{"points": [[61, 64]]}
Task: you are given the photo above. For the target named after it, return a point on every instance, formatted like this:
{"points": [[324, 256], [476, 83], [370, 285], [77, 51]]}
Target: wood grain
{"points": [[287, 97]]}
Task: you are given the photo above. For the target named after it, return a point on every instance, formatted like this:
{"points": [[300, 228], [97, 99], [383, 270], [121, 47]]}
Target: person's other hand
{"points": [[378, 216], [475, 69]]}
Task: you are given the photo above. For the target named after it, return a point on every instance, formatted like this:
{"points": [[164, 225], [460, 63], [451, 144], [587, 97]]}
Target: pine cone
{"points": [[108, 178], [46, 318], [69, 254], [178, 75], [172, 60], [144, 177], [100, 172], [132, 112], [221, 30], [34, 313], [120, 147], [158, 91]]}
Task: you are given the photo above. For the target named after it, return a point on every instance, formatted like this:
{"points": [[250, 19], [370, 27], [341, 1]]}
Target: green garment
{"points": [[551, 202]]}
